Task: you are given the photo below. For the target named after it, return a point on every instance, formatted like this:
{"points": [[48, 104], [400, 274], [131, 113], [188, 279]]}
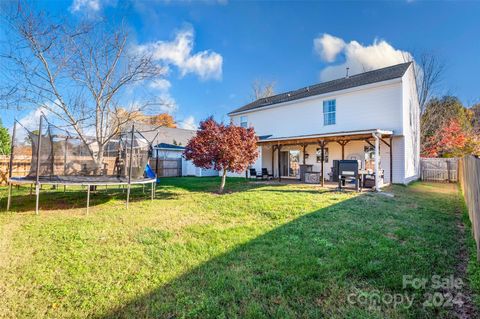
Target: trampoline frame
{"points": [[37, 181]]}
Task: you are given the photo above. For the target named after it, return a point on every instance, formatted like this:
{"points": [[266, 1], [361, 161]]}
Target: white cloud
{"points": [[162, 85], [90, 7], [206, 64], [358, 58], [328, 47], [85, 5], [31, 121], [189, 123], [168, 103]]}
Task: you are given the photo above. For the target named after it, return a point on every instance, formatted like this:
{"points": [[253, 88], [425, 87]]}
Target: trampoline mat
{"points": [[81, 180]]}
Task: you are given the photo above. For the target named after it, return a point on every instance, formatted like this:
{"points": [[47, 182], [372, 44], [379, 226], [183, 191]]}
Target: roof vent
{"points": [[346, 75], [307, 88]]}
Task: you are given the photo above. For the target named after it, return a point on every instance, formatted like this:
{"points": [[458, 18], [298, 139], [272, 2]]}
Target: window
{"points": [[325, 155], [243, 121], [329, 109]]}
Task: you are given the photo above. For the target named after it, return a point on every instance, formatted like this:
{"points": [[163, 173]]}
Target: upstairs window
{"points": [[329, 110], [244, 121]]}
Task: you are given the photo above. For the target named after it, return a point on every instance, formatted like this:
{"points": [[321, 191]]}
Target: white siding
{"points": [[366, 108], [398, 160], [189, 169], [411, 123]]}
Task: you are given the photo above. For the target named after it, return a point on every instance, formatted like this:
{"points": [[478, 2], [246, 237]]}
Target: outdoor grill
{"points": [[348, 173]]}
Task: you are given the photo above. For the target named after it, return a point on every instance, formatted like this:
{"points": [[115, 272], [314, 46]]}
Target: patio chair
{"points": [[265, 173], [253, 173]]}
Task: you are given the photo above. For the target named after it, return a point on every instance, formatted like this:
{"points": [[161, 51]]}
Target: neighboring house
{"points": [[172, 158], [168, 145], [350, 118], [167, 151], [168, 135]]}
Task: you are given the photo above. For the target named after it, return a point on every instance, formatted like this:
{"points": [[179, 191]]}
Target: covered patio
{"points": [[292, 157]]}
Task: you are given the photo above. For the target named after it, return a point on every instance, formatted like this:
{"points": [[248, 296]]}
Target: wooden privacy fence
{"points": [[170, 167], [469, 177], [21, 167], [439, 169]]}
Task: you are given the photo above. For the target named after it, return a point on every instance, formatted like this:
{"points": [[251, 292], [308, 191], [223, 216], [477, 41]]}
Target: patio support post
{"points": [[343, 143], [273, 160], [304, 150], [279, 148], [322, 156], [376, 167], [391, 160]]}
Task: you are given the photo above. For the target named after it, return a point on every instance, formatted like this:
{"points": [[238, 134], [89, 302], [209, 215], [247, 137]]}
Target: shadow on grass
{"points": [[300, 190], [305, 268], [212, 184], [76, 197]]}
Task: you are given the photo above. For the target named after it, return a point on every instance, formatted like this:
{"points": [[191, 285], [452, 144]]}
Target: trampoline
{"points": [[60, 157]]}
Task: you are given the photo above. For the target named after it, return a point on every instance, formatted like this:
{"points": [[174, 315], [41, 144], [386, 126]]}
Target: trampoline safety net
{"points": [[57, 153]]}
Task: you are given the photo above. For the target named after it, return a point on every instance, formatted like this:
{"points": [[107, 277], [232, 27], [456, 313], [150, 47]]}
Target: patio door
{"points": [[290, 164]]}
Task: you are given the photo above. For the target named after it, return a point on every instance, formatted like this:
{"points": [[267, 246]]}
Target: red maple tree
{"points": [[450, 141], [226, 148]]}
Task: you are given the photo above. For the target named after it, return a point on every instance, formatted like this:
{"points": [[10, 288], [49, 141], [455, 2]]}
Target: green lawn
{"points": [[259, 251]]}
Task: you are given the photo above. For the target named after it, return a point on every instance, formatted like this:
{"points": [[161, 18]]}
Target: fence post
{"points": [[448, 170]]}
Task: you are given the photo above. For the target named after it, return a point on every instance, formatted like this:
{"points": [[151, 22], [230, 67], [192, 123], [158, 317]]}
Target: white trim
{"points": [[324, 95], [374, 131]]}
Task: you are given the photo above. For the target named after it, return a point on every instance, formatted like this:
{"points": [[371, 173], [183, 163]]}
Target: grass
{"points": [[473, 268], [259, 251]]}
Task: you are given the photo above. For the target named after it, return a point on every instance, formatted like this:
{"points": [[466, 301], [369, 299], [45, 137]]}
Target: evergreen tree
{"points": [[4, 140]]}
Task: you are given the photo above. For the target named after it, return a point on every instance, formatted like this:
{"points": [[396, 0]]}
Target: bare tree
{"points": [[429, 71], [262, 90], [75, 72]]}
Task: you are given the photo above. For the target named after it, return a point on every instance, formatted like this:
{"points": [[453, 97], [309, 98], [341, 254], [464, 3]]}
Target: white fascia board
{"points": [[333, 134]]}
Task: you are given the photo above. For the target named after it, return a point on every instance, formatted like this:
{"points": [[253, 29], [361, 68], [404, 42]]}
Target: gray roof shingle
{"points": [[374, 76], [168, 135]]}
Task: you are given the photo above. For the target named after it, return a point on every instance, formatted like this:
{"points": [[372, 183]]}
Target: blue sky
{"points": [[230, 44]]}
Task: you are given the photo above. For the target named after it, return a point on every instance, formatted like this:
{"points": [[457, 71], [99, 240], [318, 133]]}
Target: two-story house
{"points": [[372, 117]]}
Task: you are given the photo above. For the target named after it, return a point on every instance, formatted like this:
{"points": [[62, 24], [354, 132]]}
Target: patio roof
{"points": [[326, 137]]}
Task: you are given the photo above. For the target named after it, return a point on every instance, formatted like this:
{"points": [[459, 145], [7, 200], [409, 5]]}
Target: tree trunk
{"points": [[222, 185], [99, 160]]}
